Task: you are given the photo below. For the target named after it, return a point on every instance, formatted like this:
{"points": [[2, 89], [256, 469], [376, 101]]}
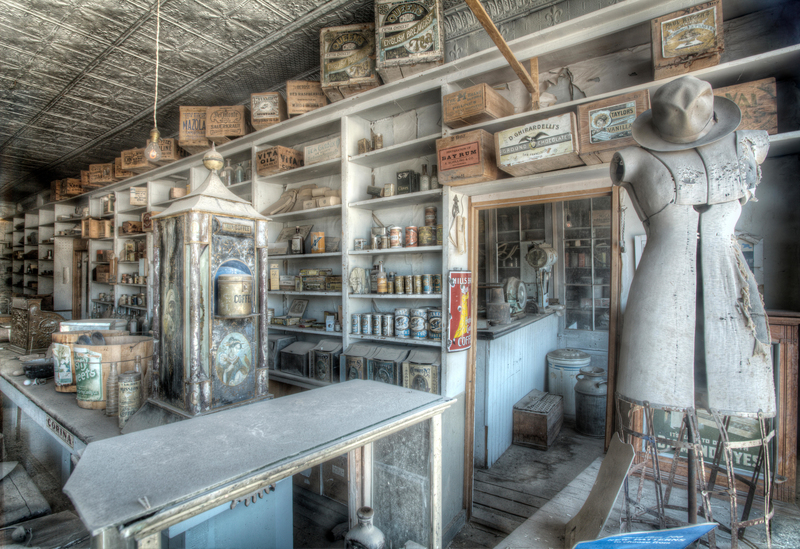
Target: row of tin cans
{"points": [[414, 236], [405, 323], [414, 284]]}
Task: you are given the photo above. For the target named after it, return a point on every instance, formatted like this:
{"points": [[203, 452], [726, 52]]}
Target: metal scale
{"points": [[542, 257]]}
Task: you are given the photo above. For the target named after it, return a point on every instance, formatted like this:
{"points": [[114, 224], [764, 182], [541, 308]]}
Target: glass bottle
{"points": [[226, 175], [298, 242], [382, 282], [424, 181], [365, 534], [434, 178], [238, 174]]}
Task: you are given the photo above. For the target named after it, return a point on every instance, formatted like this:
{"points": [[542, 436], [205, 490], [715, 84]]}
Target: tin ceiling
{"points": [[77, 75]]}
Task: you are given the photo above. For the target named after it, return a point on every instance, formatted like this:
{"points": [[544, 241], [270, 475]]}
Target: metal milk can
{"points": [[365, 534], [590, 401]]}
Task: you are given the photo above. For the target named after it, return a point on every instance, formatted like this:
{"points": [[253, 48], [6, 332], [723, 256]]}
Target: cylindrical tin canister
{"points": [[235, 296], [399, 284], [376, 242], [130, 395], [361, 244], [430, 216], [384, 242], [411, 237], [435, 324], [380, 231], [366, 324], [427, 236], [439, 232], [318, 243], [437, 283], [401, 323], [409, 283], [270, 314], [418, 324], [388, 189], [355, 323], [396, 237], [390, 283], [427, 284], [563, 367], [376, 324], [417, 284], [590, 401], [387, 324]]}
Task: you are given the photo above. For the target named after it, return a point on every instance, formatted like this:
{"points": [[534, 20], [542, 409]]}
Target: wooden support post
{"points": [[366, 475], [499, 41], [534, 64], [435, 541], [354, 485]]}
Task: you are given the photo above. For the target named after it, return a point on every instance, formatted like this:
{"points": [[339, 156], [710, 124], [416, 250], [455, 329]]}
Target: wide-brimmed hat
{"points": [[685, 114]]}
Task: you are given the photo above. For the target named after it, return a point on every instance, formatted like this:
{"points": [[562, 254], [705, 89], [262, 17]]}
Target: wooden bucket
{"points": [[62, 356], [93, 365]]}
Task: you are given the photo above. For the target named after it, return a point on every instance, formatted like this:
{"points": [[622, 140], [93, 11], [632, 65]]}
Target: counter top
{"points": [[496, 332]]}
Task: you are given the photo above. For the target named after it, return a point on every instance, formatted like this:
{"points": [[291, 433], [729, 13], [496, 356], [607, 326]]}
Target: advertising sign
{"points": [[459, 322]]}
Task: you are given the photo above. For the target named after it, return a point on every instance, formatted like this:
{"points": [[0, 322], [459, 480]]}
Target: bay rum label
{"points": [[466, 158], [277, 159], [604, 126], [542, 146]]}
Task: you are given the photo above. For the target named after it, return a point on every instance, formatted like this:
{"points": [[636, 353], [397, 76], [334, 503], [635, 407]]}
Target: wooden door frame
{"points": [[473, 210]]}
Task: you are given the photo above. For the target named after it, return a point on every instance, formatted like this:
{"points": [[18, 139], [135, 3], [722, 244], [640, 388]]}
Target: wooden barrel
{"points": [[62, 356], [93, 365]]}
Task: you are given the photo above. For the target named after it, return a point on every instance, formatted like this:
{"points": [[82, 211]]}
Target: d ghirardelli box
{"points": [[605, 125], [347, 59], [543, 146], [466, 158], [473, 105], [277, 159], [192, 130], [409, 37], [320, 152], [758, 102], [303, 96], [687, 40], [134, 160], [224, 123], [267, 109]]}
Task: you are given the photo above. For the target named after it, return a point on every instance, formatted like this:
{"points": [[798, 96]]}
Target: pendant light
{"points": [[153, 150]]}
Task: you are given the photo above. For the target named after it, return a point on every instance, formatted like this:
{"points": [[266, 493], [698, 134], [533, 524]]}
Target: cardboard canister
{"points": [[64, 366]]}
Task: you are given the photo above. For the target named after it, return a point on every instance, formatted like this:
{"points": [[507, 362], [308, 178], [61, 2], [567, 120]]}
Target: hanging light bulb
{"points": [[153, 150]]}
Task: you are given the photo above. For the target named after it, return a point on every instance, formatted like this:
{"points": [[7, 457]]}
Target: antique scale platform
{"points": [[209, 303]]}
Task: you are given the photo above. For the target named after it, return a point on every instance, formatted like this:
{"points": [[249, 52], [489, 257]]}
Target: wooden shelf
{"points": [[132, 211], [134, 235], [423, 197], [297, 175], [302, 215], [134, 307], [304, 330], [126, 284], [414, 250], [406, 340], [423, 146]]}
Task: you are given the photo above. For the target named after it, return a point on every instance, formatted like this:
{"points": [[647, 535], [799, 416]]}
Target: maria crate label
{"points": [[610, 123], [460, 156]]}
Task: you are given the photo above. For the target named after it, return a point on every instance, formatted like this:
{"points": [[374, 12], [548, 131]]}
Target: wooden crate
{"points": [[320, 152], [192, 130], [226, 123], [409, 36], [138, 196], [170, 151], [85, 177], [147, 221], [604, 126], [474, 105], [687, 40], [71, 187], [119, 173], [131, 227], [308, 479], [96, 228], [134, 160], [303, 96], [277, 159], [101, 174], [543, 146], [758, 102], [177, 192], [537, 419], [267, 109], [466, 158], [347, 57]]}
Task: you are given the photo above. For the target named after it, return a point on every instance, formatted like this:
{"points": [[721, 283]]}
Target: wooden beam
{"points": [[469, 393], [614, 331], [499, 41]]}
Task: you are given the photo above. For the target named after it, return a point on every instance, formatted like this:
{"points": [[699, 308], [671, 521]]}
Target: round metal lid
{"points": [[568, 356]]}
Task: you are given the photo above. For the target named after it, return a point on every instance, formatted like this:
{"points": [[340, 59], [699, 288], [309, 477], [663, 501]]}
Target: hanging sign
{"points": [[459, 322]]}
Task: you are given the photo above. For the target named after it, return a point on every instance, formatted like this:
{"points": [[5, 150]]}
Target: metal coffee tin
{"points": [[387, 324], [427, 284], [437, 283], [379, 231], [355, 323], [388, 189], [435, 324], [401, 323], [402, 311], [411, 237], [409, 283], [396, 237], [439, 235], [417, 284], [399, 284], [235, 296], [384, 242], [430, 216], [376, 242], [361, 244], [130, 395], [377, 324], [366, 324], [427, 236], [390, 283], [418, 324]]}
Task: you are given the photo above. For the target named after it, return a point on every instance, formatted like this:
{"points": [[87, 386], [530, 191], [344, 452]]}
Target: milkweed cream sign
{"points": [[459, 325], [535, 141]]}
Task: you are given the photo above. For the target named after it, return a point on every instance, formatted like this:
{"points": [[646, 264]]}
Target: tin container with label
{"points": [[361, 244], [235, 296], [411, 237], [427, 284], [430, 216], [387, 324], [355, 323], [437, 283], [376, 242], [366, 324], [396, 237], [130, 395], [401, 322], [418, 324], [417, 284], [388, 189], [435, 324], [399, 284], [318, 243], [439, 235], [427, 236], [390, 282], [377, 321], [384, 242], [409, 282]]}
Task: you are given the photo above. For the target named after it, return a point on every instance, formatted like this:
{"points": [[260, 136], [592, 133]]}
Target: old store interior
{"points": [[365, 295]]}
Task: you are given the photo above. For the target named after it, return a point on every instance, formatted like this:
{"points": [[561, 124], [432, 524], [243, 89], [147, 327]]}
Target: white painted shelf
{"points": [[405, 340], [423, 146], [305, 256], [395, 296], [305, 173], [132, 211], [423, 197], [291, 292], [392, 251], [303, 215], [304, 330]]}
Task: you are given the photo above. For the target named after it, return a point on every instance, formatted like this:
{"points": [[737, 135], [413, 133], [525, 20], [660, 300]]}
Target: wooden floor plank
{"points": [[507, 493], [520, 510], [495, 518]]}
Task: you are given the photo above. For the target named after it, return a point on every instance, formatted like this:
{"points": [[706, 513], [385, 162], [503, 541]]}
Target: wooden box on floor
{"points": [[192, 130], [538, 417], [758, 102], [303, 96], [410, 38], [226, 123], [347, 58], [687, 40], [267, 109], [604, 126], [474, 105], [277, 159], [543, 146], [466, 158]]}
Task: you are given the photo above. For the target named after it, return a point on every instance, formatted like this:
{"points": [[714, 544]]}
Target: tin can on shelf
{"points": [[430, 216], [377, 321], [387, 324], [437, 283], [409, 282], [388, 189], [396, 237], [361, 244], [427, 284], [390, 282], [376, 242], [355, 323], [270, 314], [418, 324], [235, 295], [366, 324], [384, 242], [318, 243], [439, 232], [427, 236], [401, 322], [435, 324], [399, 284], [411, 237], [417, 284]]}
